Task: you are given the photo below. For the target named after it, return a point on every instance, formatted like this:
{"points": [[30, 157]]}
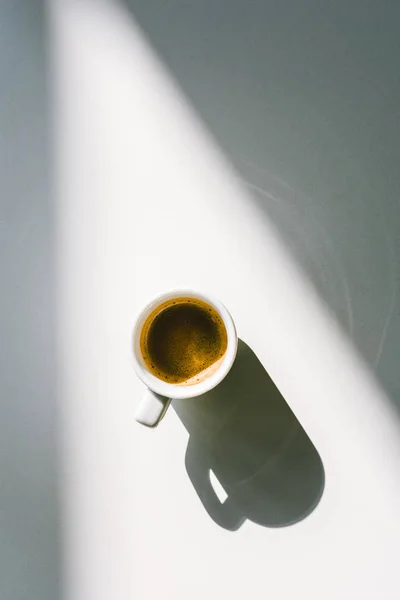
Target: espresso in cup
{"points": [[183, 341]]}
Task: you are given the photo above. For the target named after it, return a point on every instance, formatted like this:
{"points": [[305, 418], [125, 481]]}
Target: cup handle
{"points": [[152, 408]]}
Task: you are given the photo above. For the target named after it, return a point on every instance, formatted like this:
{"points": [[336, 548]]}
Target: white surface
{"points": [[146, 203]]}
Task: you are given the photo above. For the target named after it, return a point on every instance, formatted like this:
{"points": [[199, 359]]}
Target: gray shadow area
{"points": [[304, 98], [29, 515], [245, 433]]}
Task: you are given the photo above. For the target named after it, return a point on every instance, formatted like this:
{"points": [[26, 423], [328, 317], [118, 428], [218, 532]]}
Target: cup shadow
{"points": [[244, 432]]}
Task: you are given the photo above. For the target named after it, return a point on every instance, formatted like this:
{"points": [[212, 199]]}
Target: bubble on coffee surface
{"points": [[182, 342]]}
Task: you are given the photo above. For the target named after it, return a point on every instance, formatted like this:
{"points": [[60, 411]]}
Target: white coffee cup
{"points": [[159, 393]]}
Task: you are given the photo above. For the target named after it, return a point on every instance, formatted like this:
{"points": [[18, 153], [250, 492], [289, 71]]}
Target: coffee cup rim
{"points": [[171, 390]]}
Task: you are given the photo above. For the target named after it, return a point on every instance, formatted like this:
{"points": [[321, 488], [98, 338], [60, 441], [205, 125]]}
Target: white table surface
{"points": [[147, 202]]}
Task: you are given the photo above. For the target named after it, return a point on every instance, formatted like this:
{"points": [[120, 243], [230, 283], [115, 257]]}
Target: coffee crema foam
{"points": [[183, 341]]}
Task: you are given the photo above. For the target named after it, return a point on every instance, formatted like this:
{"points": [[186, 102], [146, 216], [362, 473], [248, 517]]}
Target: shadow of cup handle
{"points": [[226, 513]]}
